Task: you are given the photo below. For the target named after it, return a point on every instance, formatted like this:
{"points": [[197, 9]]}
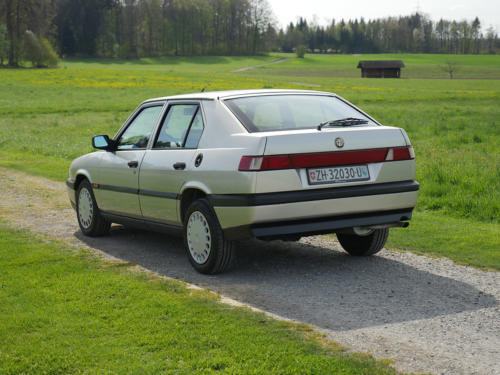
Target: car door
{"points": [[170, 162], [118, 178]]}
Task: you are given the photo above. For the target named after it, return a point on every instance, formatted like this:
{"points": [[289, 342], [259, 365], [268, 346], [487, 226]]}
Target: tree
{"points": [[79, 23], [39, 51], [491, 38], [476, 30], [301, 51], [260, 18], [450, 67], [4, 44], [13, 18]]}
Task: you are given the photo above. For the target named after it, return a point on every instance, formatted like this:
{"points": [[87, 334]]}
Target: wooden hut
{"points": [[381, 68]]}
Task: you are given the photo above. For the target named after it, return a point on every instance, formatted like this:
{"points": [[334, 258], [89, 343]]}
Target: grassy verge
{"points": [[63, 312], [465, 241]]}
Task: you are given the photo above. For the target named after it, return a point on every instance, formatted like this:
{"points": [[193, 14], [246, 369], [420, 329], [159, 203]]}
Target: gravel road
{"points": [[428, 315]]}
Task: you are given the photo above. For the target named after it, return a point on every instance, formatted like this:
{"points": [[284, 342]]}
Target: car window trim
{"points": [[169, 104], [131, 119], [189, 127]]}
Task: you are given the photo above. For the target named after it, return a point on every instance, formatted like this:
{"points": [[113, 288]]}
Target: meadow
{"points": [[47, 118]]}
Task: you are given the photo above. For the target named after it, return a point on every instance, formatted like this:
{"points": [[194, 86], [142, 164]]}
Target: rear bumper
{"points": [[318, 226], [314, 211]]}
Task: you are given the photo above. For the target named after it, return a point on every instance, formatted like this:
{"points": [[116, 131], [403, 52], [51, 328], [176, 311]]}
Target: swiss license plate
{"points": [[332, 175]]}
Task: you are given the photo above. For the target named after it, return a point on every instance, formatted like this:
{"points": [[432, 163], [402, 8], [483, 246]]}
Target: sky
{"points": [[323, 11]]}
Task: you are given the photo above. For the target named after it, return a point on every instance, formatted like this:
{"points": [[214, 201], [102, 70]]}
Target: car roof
{"points": [[216, 95]]}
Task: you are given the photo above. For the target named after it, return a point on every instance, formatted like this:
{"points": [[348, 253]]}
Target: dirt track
{"points": [[245, 68], [428, 315]]}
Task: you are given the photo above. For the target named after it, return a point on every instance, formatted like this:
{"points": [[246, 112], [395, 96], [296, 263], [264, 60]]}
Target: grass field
{"points": [[47, 118], [68, 313], [417, 65]]}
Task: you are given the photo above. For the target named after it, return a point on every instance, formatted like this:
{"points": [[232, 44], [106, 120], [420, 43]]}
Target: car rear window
{"points": [[290, 112]]}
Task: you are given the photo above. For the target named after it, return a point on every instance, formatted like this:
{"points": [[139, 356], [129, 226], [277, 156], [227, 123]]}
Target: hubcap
{"points": [[85, 208], [198, 237]]}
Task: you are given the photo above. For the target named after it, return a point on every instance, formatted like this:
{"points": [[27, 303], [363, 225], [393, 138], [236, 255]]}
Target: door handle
{"points": [[133, 164], [179, 166]]}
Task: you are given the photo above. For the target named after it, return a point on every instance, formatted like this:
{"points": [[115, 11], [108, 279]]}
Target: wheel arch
{"points": [[191, 192], [81, 175]]}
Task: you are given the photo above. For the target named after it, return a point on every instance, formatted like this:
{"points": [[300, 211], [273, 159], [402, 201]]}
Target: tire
{"points": [[364, 245], [207, 249], [91, 222]]}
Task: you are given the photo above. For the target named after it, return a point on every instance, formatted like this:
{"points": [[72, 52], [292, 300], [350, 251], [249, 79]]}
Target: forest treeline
{"points": [[37, 30]]}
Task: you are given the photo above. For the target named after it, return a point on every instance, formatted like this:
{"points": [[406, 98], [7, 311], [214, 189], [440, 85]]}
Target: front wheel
{"points": [[364, 245], [207, 249], [91, 222]]}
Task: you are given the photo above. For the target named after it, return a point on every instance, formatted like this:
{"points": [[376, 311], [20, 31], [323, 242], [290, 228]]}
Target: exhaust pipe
{"points": [[399, 224]]}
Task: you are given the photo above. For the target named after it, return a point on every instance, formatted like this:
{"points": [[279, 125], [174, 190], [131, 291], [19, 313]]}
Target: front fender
{"points": [[83, 172]]}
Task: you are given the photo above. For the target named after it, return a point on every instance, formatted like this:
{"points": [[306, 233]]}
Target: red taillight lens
{"points": [[276, 162], [264, 163], [250, 163], [328, 159], [400, 153]]}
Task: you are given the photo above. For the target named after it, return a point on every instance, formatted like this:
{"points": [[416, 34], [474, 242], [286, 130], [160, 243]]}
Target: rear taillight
{"points": [[324, 159], [400, 153], [265, 163]]}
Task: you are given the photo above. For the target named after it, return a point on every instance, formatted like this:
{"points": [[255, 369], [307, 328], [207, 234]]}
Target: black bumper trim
{"points": [[242, 200], [324, 225]]}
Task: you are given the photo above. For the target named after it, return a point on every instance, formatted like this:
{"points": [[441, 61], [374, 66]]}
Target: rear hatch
{"points": [[312, 159], [314, 141]]}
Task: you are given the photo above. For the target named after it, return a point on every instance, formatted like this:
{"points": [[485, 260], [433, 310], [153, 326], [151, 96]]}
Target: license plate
{"points": [[332, 175]]}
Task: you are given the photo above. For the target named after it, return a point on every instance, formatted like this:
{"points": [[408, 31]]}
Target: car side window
{"points": [[182, 127], [194, 134], [137, 134]]}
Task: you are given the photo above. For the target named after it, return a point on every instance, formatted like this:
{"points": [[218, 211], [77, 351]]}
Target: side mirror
{"points": [[102, 142]]}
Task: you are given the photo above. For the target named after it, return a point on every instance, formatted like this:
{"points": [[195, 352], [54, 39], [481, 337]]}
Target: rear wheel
{"points": [[91, 222], [207, 249], [364, 245]]}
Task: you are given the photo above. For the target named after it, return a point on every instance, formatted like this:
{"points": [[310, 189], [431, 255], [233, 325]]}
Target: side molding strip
{"points": [[120, 189], [150, 193], [159, 194]]}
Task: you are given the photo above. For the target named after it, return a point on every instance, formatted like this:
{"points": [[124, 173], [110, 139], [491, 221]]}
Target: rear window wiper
{"points": [[348, 121]]}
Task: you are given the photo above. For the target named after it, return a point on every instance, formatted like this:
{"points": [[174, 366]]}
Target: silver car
{"points": [[272, 164]]}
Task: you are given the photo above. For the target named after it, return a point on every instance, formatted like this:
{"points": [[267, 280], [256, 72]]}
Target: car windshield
{"points": [[291, 112]]}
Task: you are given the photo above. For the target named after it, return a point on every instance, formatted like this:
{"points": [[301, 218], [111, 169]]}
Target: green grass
{"points": [[47, 118], [465, 241], [416, 65], [64, 312]]}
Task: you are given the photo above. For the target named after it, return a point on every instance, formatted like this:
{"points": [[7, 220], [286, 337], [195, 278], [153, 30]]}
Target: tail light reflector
{"points": [[327, 159]]}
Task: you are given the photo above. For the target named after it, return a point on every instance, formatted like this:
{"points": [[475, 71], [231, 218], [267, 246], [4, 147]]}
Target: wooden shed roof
{"points": [[380, 64]]}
